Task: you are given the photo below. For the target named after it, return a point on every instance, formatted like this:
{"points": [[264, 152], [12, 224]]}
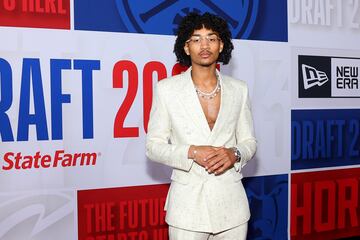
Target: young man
{"points": [[201, 126]]}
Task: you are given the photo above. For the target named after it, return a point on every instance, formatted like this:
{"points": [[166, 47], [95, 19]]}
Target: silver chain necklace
{"points": [[211, 94]]}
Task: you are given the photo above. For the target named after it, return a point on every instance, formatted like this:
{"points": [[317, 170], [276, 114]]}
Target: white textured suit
{"points": [[199, 201]]}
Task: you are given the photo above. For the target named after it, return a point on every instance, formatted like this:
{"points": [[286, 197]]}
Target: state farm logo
{"points": [[316, 71], [35, 13], [20, 161], [313, 77]]}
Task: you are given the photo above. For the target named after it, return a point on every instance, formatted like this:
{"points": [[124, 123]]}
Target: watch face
{"points": [[238, 155]]}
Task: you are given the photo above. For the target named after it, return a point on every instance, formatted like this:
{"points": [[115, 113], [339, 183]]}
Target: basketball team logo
{"points": [[268, 206], [163, 16], [247, 19]]}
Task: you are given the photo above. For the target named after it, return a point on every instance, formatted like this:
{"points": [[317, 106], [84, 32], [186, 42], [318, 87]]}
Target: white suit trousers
{"points": [[236, 233]]}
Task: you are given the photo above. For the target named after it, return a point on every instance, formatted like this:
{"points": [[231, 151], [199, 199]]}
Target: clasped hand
{"points": [[214, 159]]}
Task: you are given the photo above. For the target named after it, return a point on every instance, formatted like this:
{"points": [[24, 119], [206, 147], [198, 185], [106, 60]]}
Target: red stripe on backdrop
{"points": [[123, 213], [325, 204], [35, 13]]}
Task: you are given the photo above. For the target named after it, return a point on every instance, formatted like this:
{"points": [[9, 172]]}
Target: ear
{"points": [[186, 49], [221, 46]]}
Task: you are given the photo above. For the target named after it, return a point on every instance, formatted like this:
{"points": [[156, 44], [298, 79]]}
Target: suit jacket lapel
{"points": [[189, 99], [226, 106]]}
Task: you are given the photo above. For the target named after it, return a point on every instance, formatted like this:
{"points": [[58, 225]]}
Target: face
{"points": [[203, 47]]}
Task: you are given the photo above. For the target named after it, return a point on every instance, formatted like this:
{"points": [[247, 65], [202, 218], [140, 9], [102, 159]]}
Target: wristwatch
{"points": [[237, 154]]}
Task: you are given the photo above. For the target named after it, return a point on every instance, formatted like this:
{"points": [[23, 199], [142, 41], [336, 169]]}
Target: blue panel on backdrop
{"points": [[268, 199], [325, 138], [248, 19], [97, 16]]}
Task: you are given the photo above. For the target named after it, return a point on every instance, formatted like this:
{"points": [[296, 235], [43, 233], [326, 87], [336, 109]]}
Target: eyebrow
{"points": [[206, 35]]}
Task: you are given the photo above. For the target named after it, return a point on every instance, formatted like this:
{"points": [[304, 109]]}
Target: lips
{"points": [[205, 54]]}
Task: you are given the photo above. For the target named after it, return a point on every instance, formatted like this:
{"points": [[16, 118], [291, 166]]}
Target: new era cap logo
{"points": [[313, 77], [328, 77], [314, 73]]}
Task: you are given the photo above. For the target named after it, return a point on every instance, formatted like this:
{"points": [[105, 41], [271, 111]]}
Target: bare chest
{"points": [[211, 109]]}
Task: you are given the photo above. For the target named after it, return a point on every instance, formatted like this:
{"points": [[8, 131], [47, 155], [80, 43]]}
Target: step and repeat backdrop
{"points": [[76, 85]]}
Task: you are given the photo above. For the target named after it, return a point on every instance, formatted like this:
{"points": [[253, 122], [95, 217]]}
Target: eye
{"points": [[212, 39], [195, 40]]}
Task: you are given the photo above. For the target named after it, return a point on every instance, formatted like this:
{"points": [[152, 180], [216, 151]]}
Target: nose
{"points": [[204, 43]]}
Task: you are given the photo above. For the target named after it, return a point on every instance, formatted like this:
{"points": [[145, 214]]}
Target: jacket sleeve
{"points": [[245, 137], [158, 145]]}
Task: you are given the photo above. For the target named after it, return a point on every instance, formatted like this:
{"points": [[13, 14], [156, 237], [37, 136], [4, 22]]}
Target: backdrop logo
{"points": [[247, 19], [268, 200], [313, 77], [39, 160], [164, 16], [31, 13], [40, 212], [315, 72]]}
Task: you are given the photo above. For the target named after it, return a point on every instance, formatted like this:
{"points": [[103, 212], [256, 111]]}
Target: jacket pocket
{"points": [[237, 176], [230, 176]]}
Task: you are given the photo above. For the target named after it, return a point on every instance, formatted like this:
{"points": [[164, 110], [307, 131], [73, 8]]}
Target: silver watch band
{"points": [[237, 154]]}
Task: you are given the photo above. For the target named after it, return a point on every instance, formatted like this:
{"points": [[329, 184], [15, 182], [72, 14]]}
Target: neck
{"points": [[204, 76]]}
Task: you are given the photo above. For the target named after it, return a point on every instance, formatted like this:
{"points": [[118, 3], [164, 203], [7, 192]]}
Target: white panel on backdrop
{"points": [[324, 23], [265, 66]]}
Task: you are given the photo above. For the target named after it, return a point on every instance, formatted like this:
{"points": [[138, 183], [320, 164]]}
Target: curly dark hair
{"points": [[194, 21]]}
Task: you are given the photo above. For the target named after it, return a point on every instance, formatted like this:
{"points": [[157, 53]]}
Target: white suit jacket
{"points": [[196, 200]]}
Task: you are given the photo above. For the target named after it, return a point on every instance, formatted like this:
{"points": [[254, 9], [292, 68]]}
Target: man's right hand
{"points": [[199, 153]]}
